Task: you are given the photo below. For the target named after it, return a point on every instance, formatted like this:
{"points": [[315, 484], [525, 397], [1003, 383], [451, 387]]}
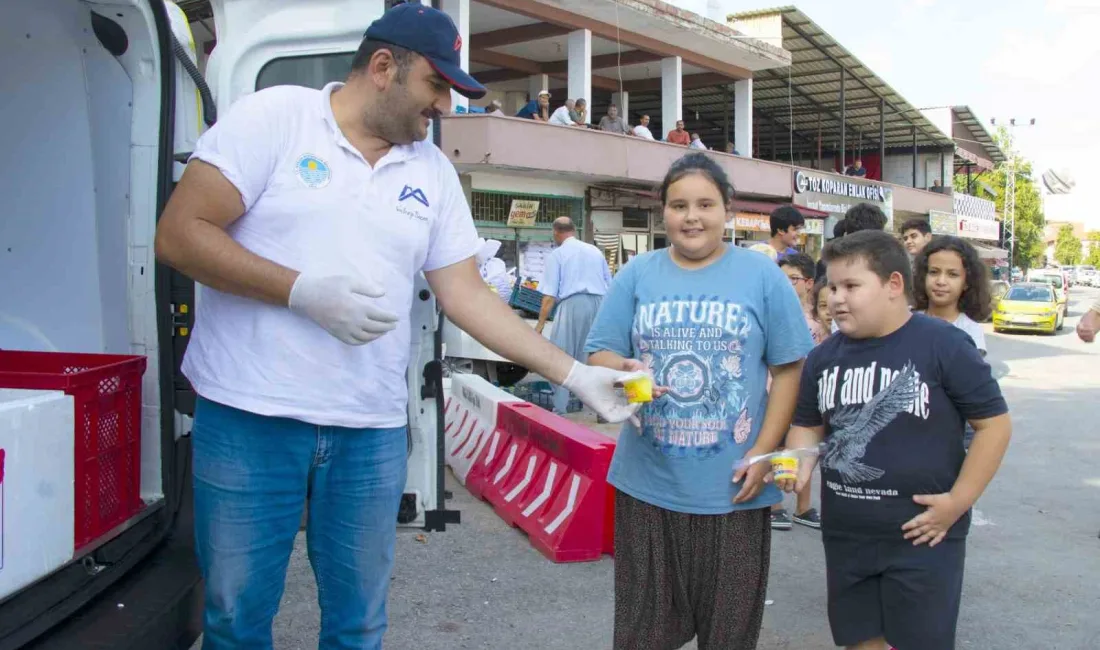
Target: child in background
{"points": [[888, 395], [952, 284], [692, 537], [820, 301], [799, 269]]}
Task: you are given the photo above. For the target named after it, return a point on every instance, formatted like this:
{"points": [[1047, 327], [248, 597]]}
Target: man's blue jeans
{"points": [[252, 474]]}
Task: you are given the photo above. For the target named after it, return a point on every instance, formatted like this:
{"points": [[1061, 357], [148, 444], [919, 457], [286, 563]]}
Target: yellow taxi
{"points": [[1029, 306]]}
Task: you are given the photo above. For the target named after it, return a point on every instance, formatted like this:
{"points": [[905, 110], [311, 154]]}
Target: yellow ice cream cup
{"points": [[785, 467], [639, 389]]}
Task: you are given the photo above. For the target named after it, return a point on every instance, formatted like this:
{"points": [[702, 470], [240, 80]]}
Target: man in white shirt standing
{"points": [[642, 129], [561, 116], [305, 216], [576, 279]]}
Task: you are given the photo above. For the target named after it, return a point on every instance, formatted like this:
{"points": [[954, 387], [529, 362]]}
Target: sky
{"points": [[1005, 59]]}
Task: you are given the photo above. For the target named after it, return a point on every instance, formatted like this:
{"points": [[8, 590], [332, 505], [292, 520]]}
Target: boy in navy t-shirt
{"points": [[887, 399]]}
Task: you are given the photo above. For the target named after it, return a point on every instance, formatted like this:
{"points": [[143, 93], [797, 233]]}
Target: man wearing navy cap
{"points": [[304, 216]]}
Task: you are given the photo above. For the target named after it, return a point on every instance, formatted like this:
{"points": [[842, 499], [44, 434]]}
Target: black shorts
{"points": [[884, 588]]}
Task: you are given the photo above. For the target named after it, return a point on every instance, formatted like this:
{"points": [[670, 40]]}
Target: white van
{"points": [[102, 104]]}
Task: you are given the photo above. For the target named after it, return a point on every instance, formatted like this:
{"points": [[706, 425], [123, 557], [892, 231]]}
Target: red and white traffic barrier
{"points": [[470, 415], [548, 476]]}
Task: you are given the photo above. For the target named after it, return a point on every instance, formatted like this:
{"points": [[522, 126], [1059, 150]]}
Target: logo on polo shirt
{"points": [[408, 192], [313, 172]]}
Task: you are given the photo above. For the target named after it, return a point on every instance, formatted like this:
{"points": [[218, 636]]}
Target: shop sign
{"points": [[805, 182], [943, 223], [837, 194], [978, 228], [815, 227], [523, 213], [753, 222]]}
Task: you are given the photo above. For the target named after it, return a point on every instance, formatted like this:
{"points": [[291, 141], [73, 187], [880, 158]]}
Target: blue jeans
{"points": [[252, 474]]}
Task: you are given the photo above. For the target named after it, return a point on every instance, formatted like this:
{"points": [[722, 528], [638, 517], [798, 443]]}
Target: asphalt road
{"points": [[1033, 569]]}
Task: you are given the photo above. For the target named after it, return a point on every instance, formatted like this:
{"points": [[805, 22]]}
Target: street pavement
{"points": [[1033, 566]]}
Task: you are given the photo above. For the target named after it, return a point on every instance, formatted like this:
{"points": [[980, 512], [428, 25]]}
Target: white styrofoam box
{"points": [[36, 485]]}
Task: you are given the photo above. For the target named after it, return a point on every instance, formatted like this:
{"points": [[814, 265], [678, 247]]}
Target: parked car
{"points": [[1056, 278], [1030, 306]]}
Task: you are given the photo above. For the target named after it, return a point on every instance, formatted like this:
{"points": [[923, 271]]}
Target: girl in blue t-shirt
{"points": [[709, 321]]}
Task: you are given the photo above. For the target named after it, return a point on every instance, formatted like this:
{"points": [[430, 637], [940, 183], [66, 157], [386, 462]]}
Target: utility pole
{"points": [[1009, 215]]}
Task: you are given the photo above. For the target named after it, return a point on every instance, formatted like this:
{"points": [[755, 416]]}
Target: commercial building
{"points": [[794, 104]]}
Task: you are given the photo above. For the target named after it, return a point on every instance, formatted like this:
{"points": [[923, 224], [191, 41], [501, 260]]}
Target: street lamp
{"points": [[1010, 194]]}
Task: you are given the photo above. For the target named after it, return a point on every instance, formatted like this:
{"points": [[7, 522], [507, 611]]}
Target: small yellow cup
{"points": [[785, 467], [639, 389]]}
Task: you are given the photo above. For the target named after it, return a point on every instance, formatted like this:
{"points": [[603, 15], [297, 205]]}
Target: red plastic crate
{"points": [[106, 391]]}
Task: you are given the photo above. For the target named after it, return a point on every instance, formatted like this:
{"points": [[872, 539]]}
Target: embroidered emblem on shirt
{"points": [[313, 172], [409, 192]]}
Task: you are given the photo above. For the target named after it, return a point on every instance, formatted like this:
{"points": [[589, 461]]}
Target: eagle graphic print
{"points": [[695, 345], [855, 425]]}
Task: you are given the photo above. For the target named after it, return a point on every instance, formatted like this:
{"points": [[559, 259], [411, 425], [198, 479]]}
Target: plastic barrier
{"points": [[470, 415], [548, 476]]}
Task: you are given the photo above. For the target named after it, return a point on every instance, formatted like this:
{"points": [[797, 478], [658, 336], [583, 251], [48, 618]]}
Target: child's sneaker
{"points": [[781, 520], [809, 518]]}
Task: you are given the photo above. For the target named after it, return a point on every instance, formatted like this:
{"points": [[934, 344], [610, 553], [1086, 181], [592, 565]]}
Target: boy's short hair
{"points": [[864, 216], [882, 252], [801, 261], [918, 224], [785, 216], [840, 228]]}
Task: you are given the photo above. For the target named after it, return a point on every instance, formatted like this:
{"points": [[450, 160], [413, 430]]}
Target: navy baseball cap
{"points": [[431, 34]]}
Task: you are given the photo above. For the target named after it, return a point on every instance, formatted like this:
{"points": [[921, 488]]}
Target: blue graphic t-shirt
{"points": [[709, 335]]}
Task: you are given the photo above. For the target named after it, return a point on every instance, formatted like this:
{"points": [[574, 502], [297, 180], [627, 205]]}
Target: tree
{"points": [[1029, 208], [1067, 248], [1093, 258]]}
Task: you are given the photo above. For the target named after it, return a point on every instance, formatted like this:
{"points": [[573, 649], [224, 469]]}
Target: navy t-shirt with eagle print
{"points": [[894, 410]]}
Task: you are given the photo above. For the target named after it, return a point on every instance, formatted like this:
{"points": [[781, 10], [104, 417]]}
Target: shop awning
{"points": [[988, 252], [763, 207]]}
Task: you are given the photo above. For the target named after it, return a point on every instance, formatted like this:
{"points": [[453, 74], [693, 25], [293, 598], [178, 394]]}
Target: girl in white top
{"points": [[951, 282]]}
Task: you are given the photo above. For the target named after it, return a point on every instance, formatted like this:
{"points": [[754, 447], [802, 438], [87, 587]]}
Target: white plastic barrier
{"points": [[471, 417], [36, 485]]}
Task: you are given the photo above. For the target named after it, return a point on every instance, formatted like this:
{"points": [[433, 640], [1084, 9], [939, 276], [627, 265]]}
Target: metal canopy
{"points": [[978, 134], [810, 106]]}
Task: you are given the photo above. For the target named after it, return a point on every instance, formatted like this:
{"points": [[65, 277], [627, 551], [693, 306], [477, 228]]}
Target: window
{"points": [[636, 218], [313, 71], [491, 208]]}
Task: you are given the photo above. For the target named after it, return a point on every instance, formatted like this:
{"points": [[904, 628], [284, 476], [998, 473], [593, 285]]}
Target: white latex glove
{"points": [[342, 305], [595, 386]]}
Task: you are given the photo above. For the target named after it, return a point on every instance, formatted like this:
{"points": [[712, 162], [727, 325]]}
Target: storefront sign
{"points": [[977, 228], [753, 222], [837, 194], [943, 223], [523, 213], [806, 182]]}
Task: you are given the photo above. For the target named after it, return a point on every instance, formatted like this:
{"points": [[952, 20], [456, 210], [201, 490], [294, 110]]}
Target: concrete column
{"points": [[742, 117], [580, 68], [622, 100], [537, 84], [672, 94], [459, 11]]}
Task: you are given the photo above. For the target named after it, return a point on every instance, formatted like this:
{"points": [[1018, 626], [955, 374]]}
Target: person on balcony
{"points": [[642, 130], [857, 169], [679, 135], [579, 112], [494, 108], [697, 142], [612, 123], [537, 109], [562, 115]]}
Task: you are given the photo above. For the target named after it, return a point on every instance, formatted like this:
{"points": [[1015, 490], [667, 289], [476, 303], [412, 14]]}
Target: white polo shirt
{"points": [[313, 204]]}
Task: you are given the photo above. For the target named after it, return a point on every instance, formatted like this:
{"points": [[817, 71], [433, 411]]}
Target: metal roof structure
{"points": [[979, 133], [803, 102]]}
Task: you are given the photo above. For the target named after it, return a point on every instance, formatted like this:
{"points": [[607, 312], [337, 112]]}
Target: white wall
{"points": [[898, 169], [525, 185]]}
